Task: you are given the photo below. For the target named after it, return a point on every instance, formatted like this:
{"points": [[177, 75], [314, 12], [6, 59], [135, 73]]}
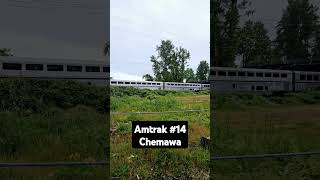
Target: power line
{"points": [[263, 156]]}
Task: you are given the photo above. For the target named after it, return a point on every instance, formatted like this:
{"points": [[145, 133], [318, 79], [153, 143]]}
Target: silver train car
{"points": [[87, 71], [91, 72], [156, 85], [261, 80]]}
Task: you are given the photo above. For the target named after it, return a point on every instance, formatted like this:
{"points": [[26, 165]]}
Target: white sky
{"points": [[137, 27]]}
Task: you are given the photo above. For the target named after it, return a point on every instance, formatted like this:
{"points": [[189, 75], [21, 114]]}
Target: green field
{"points": [[42, 121], [127, 163], [248, 124]]}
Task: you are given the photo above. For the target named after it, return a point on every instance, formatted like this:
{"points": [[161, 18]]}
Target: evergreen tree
{"points": [[255, 44], [296, 30], [225, 24]]}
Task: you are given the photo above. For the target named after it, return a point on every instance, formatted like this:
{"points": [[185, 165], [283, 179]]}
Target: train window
{"points": [[283, 75], [267, 75], [11, 66], [233, 86], [133, 82], [106, 69], [113, 82], [144, 83], [241, 73], [74, 68], [138, 82], [259, 88], [309, 77], [55, 67], [302, 77], [158, 83], [148, 83], [222, 73], [213, 73], [232, 73], [250, 74], [259, 74], [276, 75], [34, 67], [266, 88], [120, 82], [252, 88], [126, 82], [153, 83], [92, 69], [316, 77]]}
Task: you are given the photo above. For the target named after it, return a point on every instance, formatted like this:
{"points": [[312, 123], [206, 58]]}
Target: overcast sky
{"points": [[270, 12], [72, 29], [137, 27], [77, 29]]}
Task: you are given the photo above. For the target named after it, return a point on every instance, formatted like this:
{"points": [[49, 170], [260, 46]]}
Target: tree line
{"points": [[171, 65], [297, 35]]}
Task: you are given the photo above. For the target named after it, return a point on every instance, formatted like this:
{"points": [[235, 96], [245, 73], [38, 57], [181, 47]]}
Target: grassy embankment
{"points": [[251, 124], [127, 162], [63, 121], [42, 121]]}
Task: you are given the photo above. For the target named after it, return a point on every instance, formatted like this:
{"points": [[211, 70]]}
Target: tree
{"points": [[170, 62], [190, 76], [255, 44], [147, 77], [5, 52], [225, 23], [296, 30], [316, 48], [106, 49], [203, 71]]}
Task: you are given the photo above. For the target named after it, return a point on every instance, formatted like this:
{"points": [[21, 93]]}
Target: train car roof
{"points": [[247, 69], [136, 81], [15, 59]]}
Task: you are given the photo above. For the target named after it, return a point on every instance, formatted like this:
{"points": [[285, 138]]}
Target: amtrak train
{"points": [[89, 71], [156, 85], [97, 73], [262, 80]]}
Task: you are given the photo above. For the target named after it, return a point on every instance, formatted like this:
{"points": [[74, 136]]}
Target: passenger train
{"points": [[221, 78], [262, 80], [156, 85], [91, 72]]}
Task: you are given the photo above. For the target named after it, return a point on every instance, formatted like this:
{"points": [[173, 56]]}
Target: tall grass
{"points": [[49, 121]]}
